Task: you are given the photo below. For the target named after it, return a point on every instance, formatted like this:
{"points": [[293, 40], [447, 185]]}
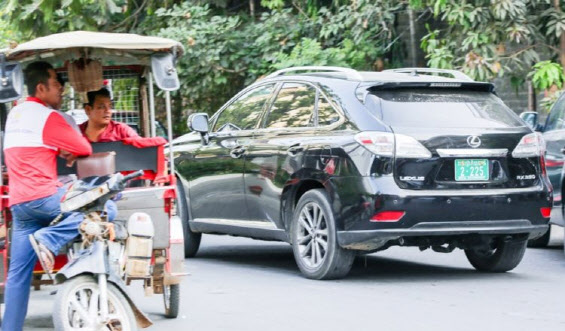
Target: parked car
{"points": [[338, 163], [553, 131]]}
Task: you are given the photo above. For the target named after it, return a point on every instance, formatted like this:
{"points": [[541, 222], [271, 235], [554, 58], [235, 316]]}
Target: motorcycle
{"points": [[92, 294], [98, 266]]}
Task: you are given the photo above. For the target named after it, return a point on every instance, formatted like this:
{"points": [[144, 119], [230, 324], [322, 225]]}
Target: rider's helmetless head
{"points": [[42, 83], [99, 107]]}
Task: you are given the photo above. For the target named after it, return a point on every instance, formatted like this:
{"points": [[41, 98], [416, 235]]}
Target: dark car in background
{"points": [[338, 163], [553, 131]]}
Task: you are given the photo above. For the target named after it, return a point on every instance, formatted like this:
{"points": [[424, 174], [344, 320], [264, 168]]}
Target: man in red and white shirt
{"points": [[100, 127], [35, 135]]}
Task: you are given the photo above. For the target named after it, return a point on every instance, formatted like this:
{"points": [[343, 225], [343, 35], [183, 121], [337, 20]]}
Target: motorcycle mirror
{"points": [[164, 71], [11, 80]]}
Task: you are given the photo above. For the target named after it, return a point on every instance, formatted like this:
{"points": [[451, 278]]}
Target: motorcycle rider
{"points": [[35, 133]]}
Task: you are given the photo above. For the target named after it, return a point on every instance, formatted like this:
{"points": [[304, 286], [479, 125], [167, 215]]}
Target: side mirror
{"points": [[199, 122], [531, 119], [11, 80]]}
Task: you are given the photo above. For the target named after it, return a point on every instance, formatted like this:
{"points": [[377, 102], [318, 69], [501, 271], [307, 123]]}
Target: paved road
{"points": [[242, 284]]}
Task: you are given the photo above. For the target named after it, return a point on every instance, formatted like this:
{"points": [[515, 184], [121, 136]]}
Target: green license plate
{"points": [[471, 170]]}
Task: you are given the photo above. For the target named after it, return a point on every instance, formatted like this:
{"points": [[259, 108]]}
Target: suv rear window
{"points": [[442, 109]]}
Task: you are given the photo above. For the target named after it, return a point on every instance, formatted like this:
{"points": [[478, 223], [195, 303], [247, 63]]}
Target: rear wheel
{"points": [[191, 239], [541, 241], [314, 241], [171, 297], [506, 256]]}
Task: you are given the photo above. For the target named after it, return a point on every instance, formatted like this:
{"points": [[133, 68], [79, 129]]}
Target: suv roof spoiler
{"points": [[470, 86]]}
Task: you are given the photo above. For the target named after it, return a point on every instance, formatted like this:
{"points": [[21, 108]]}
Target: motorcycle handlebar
{"points": [[132, 175]]}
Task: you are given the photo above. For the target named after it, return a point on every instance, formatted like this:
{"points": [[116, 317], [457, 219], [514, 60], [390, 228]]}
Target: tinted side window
{"points": [[555, 120], [293, 107], [326, 113], [244, 112]]}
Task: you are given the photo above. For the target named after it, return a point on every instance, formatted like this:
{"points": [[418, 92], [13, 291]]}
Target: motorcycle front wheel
{"points": [[77, 307]]}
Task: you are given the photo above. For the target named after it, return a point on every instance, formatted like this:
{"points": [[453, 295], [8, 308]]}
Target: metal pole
{"points": [[170, 131], [152, 105]]}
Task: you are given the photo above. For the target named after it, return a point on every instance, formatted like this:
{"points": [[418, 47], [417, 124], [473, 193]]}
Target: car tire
{"points": [[542, 241], [191, 239], [501, 259], [313, 214]]}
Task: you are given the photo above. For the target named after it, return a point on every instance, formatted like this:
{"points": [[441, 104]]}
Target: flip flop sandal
{"points": [[44, 256]]}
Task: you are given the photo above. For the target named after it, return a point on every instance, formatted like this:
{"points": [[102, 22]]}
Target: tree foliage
{"points": [[488, 39], [546, 74], [231, 43], [225, 52], [35, 18], [8, 34]]}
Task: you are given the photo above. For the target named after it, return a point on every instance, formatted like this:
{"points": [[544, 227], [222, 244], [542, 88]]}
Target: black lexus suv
{"points": [[339, 162]]}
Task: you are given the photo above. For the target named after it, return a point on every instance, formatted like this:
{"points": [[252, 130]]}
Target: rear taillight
{"points": [[388, 216], [390, 144], [553, 163], [531, 145], [542, 164], [545, 212], [380, 143]]}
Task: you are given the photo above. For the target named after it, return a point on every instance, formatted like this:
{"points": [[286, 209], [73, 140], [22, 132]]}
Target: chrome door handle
{"points": [[237, 152]]}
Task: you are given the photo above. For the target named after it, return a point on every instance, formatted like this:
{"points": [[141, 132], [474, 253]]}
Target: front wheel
{"points": [[314, 239], [191, 239], [503, 258], [77, 307], [171, 296]]}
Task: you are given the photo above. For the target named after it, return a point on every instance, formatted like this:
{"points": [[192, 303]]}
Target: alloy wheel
{"points": [[312, 235]]}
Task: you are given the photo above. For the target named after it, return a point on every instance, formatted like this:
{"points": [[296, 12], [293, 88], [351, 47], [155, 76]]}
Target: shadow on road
{"points": [[384, 269], [279, 258]]}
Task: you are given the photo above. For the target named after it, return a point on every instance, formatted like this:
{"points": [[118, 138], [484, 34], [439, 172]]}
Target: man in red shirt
{"points": [[35, 135], [100, 127]]}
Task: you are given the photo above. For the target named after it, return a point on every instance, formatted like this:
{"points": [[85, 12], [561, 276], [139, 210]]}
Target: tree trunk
{"points": [[532, 102], [557, 5], [413, 46], [252, 8]]}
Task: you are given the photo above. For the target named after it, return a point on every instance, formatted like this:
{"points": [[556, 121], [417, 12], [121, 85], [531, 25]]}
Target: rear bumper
{"points": [[372, 239]]}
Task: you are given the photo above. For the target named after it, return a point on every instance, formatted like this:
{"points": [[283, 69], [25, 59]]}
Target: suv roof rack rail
{"points": [[415, 71], [351, 73]]}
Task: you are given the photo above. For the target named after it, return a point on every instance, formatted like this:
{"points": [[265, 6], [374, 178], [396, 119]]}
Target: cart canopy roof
{"points": [[111, 48]]}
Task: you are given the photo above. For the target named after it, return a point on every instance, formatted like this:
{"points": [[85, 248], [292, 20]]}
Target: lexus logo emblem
{"points": [[474, 141]]}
